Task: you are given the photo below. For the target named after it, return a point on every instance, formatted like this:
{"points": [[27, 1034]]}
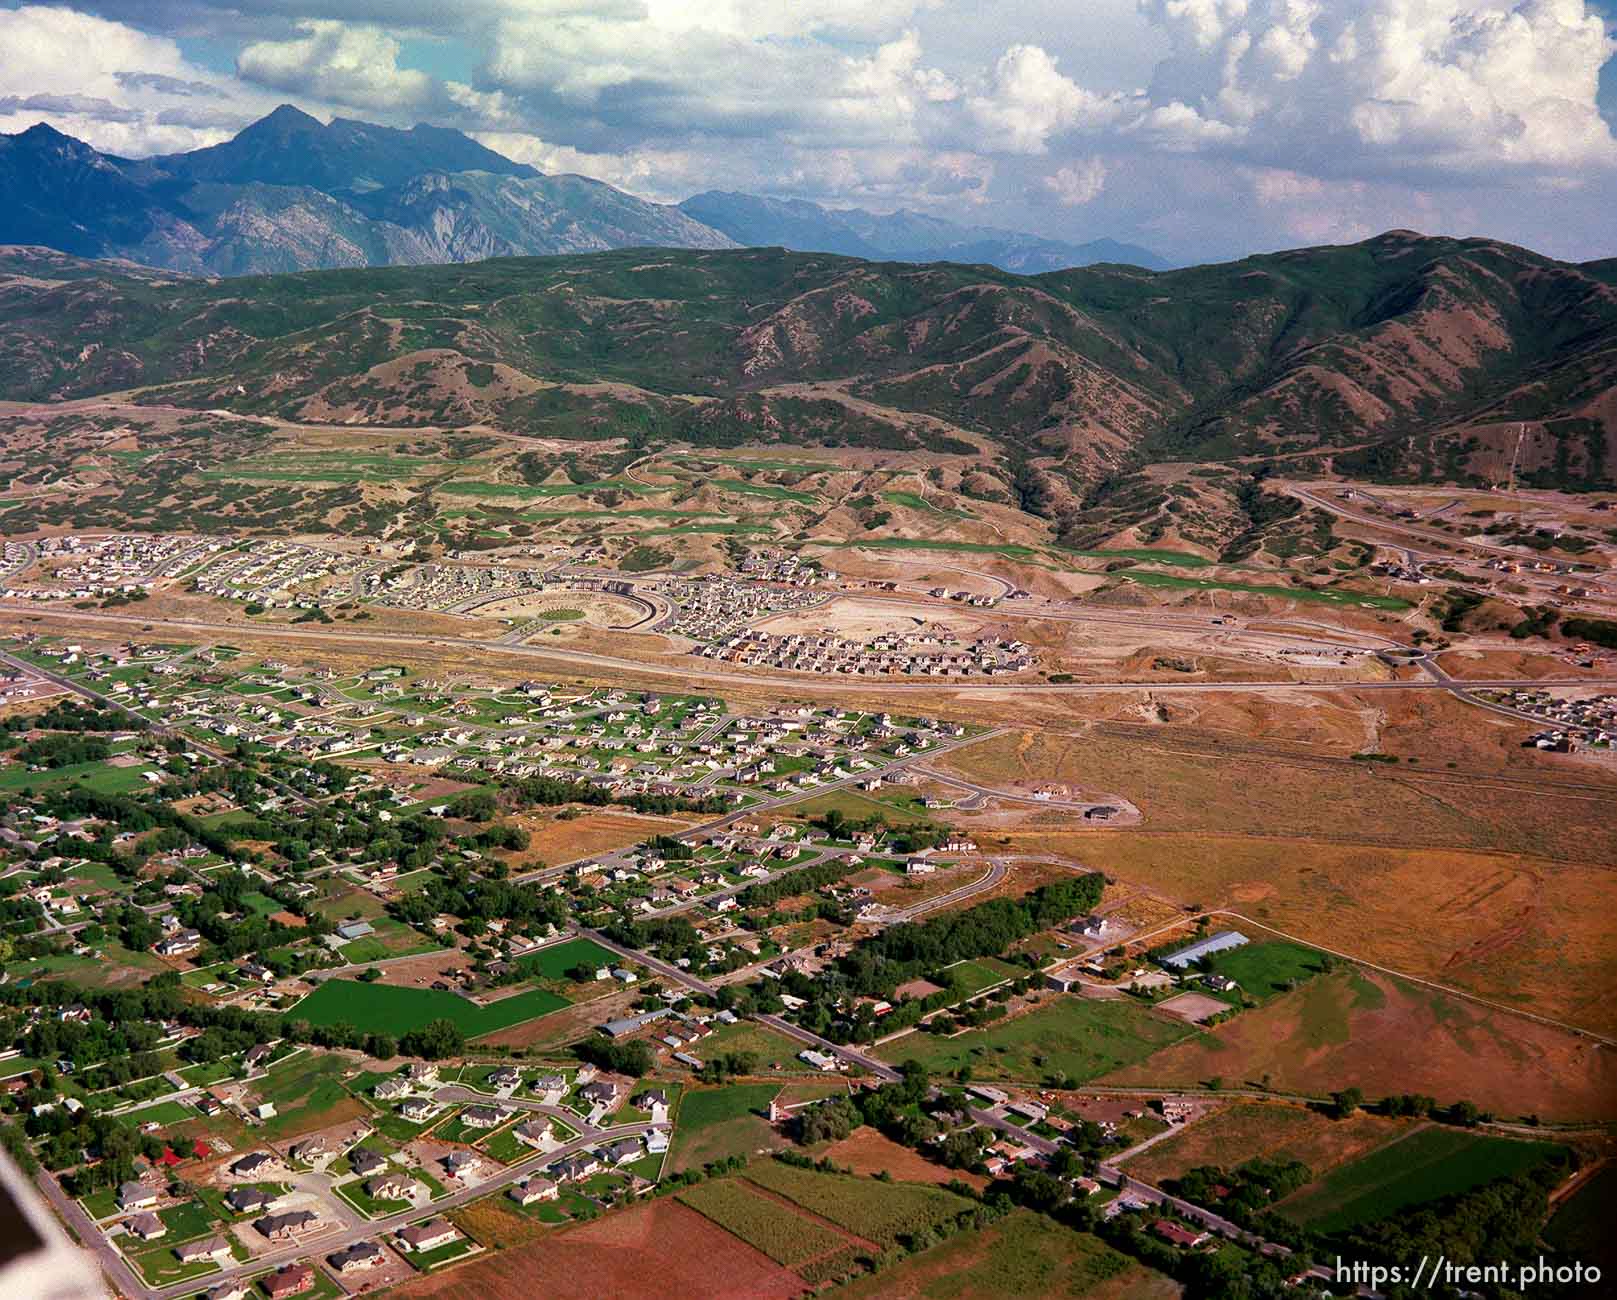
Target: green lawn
{"points": [[381, 1008], [713, 1123], [786, 1236], [208, 1072], [552, 963], [1076, 1037], [1008, 549], [430, 1259], [97, 776], [164, 1113], [1361, 599], [1430, 1163], [1267, 969], [158, 1266], [536, 491], [973, 976], [1180, 559]]}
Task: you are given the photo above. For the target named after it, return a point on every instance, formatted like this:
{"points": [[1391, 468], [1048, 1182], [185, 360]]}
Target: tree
{"points": [[1345, 1102], [434, 1040]]}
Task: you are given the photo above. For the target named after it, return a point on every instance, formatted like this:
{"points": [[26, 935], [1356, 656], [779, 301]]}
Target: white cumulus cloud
{"points": [[337, 62]]}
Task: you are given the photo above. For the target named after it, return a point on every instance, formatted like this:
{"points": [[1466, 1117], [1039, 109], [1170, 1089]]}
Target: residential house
{"points": [[534, 1190], [624, 1150], [148, 1227], [294, 1279], [286, 1225], [247, 1200], [257, 1164], [365, 1162], [392, 1088], [182, 943], [507, 1076], [1178, 1235], [135, 1196], [391, 1187], [189, 1252], [358, 1258], [534, 1133], [602, 1092], [417, 1109], [461, 1164], [428, 1236], [483, 1116]]}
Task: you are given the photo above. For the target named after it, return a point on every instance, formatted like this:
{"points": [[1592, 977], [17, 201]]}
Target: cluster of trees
{"points": [[725, 1065], [633, 1058], [548, 791], [803, 881], [62, 751], [882, 962], [70, 715], [477, 900], [1248, 1189]]}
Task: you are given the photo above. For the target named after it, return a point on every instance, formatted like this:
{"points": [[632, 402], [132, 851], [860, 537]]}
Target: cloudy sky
{"points": [[1201, 128]]}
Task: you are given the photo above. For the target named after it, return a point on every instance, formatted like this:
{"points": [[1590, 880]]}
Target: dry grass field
{"points": [[659, 1250], [553, 840], [1497, 882], [1382, 1035], [1271, 1130], [866, 1151]]}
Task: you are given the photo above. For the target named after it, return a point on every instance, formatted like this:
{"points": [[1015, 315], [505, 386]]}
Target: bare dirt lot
{"points": [[1194, 1007], [659, 1250], [1355, 1028]]}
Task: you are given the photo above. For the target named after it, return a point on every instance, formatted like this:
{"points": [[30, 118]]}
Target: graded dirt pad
{"points": [[659, 1250], [1518, 930], [1270, 1130], [866, 1151], [1359, 1029], [1194, 1007], [860, 617]]}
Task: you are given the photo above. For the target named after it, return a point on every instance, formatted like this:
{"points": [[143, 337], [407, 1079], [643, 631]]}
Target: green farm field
{"points": [[1076, 1037], [380, 1008], [1024, 1254], [1430, 1163], [785, 1236], [878, 1211]]}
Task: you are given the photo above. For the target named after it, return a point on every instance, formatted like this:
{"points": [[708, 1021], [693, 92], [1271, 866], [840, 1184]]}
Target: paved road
{"points": [[851, 1055], [695, 670]]}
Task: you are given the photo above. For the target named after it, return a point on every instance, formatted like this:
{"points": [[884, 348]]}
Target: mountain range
{"points": [[290, 194], [901, 236], [1402, 357]]}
